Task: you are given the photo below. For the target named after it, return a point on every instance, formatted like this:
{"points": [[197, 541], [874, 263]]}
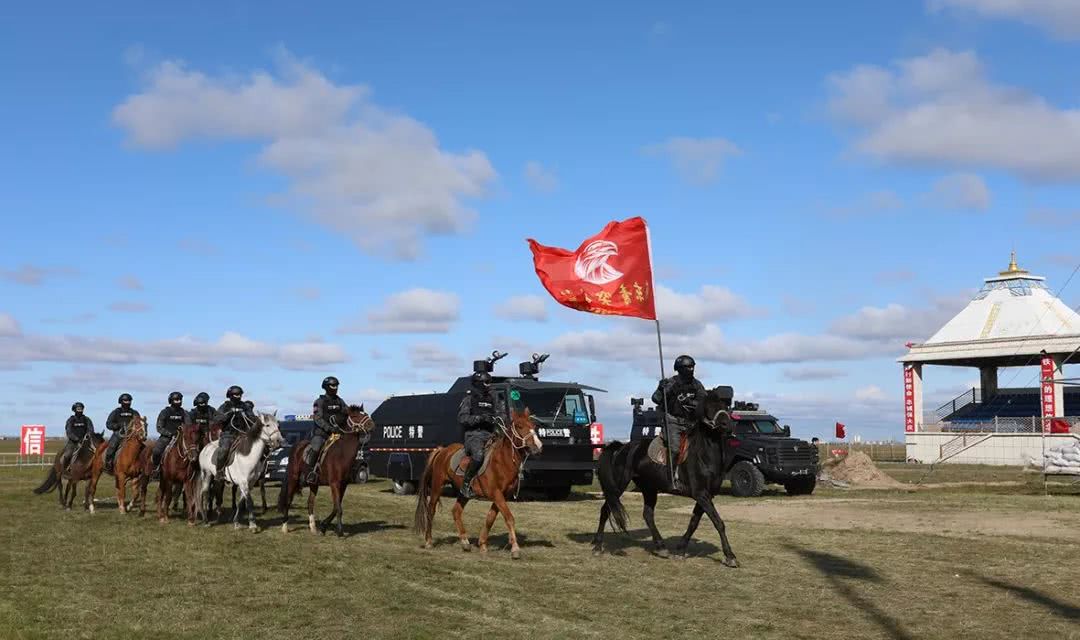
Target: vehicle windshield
{"points": [[758, 426], [559, 404]]}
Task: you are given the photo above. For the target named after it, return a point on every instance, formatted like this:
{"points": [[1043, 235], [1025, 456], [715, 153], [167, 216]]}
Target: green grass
{"points": [[72, 575]]}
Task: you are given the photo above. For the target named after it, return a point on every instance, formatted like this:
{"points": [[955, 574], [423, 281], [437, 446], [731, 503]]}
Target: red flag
{"points": [[840, 433], [1059, 425], [610, 273]]}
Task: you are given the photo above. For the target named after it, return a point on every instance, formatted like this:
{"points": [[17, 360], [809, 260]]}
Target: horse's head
{"points": [[269, 431], [137, 428], [359, 421], [523, 431], [717, 406]]}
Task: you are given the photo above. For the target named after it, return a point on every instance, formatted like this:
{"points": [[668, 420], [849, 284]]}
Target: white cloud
{"points": [[961, 191], [129, 307], [871, 392], [32, 275], [1053, 218], [521, 308], [413, 311], [429, 355], [687, 312], [1059, 17], [869, 204], [377, 177], [698, 160], [540, 177], [941, 110], [802, 374], [896, 322], [9, 326], [130, 283]]}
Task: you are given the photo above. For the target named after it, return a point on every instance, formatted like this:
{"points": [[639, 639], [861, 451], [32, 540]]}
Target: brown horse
{"points": [[334, 470], [511, 445], [178, 468], [127, 467], [78, 469]]}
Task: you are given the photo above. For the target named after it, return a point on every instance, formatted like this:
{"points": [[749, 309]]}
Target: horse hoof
{"points": [[515, 554], [191, 523], [484, 549], [598, 551], [236, 527], [284, 528], [254, 528], [731, 562], [661, 552]]}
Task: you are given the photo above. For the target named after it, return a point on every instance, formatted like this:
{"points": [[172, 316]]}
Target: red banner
{"points": [[1049, 406], [596, 436], [32, 440], [841, 431], [909, 400], [610, 273]]}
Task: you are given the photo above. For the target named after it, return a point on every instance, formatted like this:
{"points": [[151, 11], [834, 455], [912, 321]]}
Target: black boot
{"points": [[310, 457], [222, 458], [155, 464], [466, 482]]}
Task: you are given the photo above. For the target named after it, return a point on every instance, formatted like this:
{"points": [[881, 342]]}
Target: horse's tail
{"points": [[291, 481], [422, 521], [615, 476], [50, 483]]}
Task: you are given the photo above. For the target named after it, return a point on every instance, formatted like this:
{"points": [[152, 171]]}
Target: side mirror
{"points": [[592, 408], [787, 430]]}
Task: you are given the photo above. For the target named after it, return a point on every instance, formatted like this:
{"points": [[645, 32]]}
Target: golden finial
{"points": [[1013, 268]]}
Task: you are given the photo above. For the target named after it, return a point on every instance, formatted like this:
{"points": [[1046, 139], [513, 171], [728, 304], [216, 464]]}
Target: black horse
{"points": [[700, 476]]}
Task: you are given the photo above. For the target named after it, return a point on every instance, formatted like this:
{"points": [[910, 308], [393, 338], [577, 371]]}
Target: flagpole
{"points": [[667, 428]]}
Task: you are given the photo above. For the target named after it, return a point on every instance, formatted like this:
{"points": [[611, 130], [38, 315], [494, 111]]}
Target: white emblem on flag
{"points": [[592, 263]]}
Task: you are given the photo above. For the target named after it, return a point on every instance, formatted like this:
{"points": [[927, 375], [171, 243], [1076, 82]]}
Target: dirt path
{"points": [[852, 513]]}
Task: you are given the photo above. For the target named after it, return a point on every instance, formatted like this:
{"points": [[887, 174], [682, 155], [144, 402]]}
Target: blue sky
{"points": [[242, 193]]}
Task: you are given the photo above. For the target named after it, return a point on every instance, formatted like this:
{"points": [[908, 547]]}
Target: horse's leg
{"points": [[262, 492], [91, 489], [121, 491], [245, 496], [459, 523], [335, 497], [691, 527], [312, 492], [492, 513], [598, 539], [648, 512], [340, 510], [159, 498], [706, 503], [500, 501]]}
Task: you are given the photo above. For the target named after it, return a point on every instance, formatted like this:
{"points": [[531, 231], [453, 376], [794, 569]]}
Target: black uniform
{"points": [[685, 406], [476, 415], [117, 422], [76, 428], [169, 422], [202, 417], [235, 418], [331, 416]]}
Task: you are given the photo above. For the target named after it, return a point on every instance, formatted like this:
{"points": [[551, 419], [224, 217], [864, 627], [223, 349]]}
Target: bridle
{"points": [[188, 453]]}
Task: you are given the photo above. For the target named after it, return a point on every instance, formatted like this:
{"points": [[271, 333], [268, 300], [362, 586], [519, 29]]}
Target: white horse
{"points": [[249, 453]]}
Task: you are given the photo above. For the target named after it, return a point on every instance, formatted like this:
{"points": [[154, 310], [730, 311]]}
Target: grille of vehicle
{"points": [[797, 455]]}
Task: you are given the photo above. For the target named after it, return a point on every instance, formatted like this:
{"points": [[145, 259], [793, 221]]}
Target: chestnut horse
{"points": [[505, 455], [334, 471], [127, 467], [78, 469], [178, 468]]}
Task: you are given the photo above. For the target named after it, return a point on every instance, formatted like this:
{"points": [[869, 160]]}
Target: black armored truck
{"points": [[757, 452], [410, 427]]}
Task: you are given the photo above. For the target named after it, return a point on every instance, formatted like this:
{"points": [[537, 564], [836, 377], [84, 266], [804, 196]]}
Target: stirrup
{"points": [[466, 488], [312, 477]]}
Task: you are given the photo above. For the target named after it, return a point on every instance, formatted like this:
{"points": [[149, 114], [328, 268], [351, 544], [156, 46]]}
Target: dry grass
{"points": [[72, 575]]}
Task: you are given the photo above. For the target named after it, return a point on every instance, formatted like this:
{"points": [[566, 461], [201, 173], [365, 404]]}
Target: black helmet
{"points": [[481, 379], [202, 399], [684, 363], [176, 397], [249, 405], [330, 382], [78, 406], [234, 392], [124, 398]]}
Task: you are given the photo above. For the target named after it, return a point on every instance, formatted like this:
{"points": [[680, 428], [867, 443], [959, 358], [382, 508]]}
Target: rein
{"points": [[517, 443]]}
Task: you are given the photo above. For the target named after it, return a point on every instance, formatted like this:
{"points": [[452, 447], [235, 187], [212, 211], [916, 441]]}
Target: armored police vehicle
{"points": [[295, 428], [759, 451], [408, 428]]}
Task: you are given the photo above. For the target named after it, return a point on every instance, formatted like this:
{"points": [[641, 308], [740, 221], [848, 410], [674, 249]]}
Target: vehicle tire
{"points": [[801, 487], [558, 493], [747, 480], [406, 488], [362, 475]]}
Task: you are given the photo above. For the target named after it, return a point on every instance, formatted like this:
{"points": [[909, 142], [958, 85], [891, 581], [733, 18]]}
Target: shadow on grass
{"points": [[616, 543], [844, 575], [362, 527], [1063, 609], [500, 541]]}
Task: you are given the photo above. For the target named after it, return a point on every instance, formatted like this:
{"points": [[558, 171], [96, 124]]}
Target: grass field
{"points": [[927, 564]]}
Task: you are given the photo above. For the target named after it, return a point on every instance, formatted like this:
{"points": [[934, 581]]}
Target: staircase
{"points": [[961, 443], [962, 401]]}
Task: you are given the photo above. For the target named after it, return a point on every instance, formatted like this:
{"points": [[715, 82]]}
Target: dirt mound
{"points": [[858, 470]]}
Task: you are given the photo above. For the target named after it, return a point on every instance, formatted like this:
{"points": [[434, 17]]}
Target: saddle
{"points": [[658, 451], [330, 442], [229, 457], [459, 462]]}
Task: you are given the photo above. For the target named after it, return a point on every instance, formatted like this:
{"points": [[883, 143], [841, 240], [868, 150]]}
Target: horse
{"points": [[334, 470], [178, 468], [127, 466], [78, 469], [701, 475], [505, 456], [263, 434]]}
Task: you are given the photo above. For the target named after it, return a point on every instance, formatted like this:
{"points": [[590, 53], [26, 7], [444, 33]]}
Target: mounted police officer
{"points": [[118, 422], [682, 396], [202, 415], [235, 418], [476, 415], [330, 416], [169, 422], [78, 426]]}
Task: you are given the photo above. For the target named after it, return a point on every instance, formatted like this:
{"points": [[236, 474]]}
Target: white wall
{"points": [[999, 448]]}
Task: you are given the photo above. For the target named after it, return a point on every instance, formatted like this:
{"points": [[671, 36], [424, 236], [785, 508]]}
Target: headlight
{"points": [[284, 461]]}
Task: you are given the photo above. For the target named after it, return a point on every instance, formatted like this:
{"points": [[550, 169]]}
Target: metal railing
{"points": [[959, 443], [18, 460], [965, 399]]}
